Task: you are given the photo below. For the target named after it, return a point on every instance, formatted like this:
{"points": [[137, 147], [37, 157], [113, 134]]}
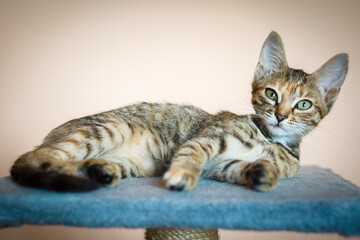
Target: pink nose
{"points": [[280, 117]]}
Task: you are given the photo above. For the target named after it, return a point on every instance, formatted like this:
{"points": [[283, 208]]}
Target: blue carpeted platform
{"points": [[316, 200]]}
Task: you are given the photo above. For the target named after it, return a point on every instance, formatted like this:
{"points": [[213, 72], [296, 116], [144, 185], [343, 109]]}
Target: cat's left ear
{"points": [[272, 57], [331, 76]]}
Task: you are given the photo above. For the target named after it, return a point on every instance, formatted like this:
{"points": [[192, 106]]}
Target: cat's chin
{"points": [[277, 130], [282, 135]]}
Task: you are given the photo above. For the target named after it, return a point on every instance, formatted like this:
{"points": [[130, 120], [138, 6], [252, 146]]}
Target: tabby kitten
{"points": [[184, 142]]}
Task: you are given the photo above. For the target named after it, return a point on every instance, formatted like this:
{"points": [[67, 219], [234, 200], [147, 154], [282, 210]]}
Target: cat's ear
{"points": [[272, 57], [331, 76]]}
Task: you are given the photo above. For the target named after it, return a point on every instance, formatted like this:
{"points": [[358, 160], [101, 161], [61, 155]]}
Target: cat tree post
{"points": [[315, 200], [181, 233]]}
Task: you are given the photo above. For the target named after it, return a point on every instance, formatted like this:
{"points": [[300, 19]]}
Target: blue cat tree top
{"points": [[316, 200]]}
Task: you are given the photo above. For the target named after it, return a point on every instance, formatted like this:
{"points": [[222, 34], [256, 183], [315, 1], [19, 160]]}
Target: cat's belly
{"points": [[238, 150], [140, 149]]}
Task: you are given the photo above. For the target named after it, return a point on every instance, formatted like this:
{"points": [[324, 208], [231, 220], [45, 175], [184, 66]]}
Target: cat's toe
{"points": [[180, 179], [103, 172], [261, 175], [97, 173], [176, 188]]}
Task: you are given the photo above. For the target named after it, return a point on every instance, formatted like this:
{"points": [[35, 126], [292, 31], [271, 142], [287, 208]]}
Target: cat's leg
{"points": [[100, 170], [260, 175], [46, 168], [188, 161], [285, 160], [105, 171], [67, 151], [263, 174], [109, 170]]}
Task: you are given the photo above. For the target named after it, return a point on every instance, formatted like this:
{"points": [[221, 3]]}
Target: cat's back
{"points": [[161, 113], [174, 122]]}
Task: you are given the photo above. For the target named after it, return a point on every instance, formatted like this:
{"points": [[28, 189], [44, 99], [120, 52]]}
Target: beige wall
{"points": [[65, 59]]}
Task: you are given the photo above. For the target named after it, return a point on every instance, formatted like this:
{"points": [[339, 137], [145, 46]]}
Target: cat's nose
{"points": [[280, 117]]}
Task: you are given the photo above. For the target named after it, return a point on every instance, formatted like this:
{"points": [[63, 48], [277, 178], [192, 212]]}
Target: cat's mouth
{"points": [[278, 126]]}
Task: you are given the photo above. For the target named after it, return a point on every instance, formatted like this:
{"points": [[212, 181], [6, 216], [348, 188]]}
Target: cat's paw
{"points": [[59, 167], [261, 175], [103, 172], [179, 179]]}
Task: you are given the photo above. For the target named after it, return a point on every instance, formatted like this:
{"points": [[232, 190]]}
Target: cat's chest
{"points": [[244, 141], [246, 150]]}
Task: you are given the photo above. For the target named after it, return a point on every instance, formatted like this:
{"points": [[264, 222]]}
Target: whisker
{"points": [[332, 134], [242, 99]]}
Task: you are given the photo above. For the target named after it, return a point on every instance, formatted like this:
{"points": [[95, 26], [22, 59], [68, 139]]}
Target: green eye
{"points": [[271, 94], [304, 104]]}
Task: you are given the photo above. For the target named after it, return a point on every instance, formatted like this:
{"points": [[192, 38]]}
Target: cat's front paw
{"points": [[261, 175], [179, 179], [103, 172]]}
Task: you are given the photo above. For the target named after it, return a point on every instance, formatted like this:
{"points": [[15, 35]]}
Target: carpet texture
{"points": [[316, 200]]}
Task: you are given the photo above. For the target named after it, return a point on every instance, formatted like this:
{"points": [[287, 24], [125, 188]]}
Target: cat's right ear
{"points": [[272, 57]]}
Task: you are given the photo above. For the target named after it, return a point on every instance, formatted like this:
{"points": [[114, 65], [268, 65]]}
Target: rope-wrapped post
{"points": [[176, 233]]}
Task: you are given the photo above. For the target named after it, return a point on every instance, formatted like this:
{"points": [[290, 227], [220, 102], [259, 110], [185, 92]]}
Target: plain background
{"points": [[61, 60]]}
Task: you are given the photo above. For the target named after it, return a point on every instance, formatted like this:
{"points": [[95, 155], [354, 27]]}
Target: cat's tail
{"points": [[35, 169]]}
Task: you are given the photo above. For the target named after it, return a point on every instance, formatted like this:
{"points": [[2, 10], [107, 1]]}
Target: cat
{"points": [[182, 142]]}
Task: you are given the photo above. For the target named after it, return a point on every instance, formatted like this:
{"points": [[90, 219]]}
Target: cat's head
{"points": [[291, 102]]}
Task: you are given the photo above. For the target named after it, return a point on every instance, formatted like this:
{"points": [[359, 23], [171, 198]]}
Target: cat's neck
{"points": [[292, 141]]}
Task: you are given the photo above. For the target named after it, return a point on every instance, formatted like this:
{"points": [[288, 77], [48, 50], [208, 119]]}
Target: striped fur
{"points": [[183, 142]]}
